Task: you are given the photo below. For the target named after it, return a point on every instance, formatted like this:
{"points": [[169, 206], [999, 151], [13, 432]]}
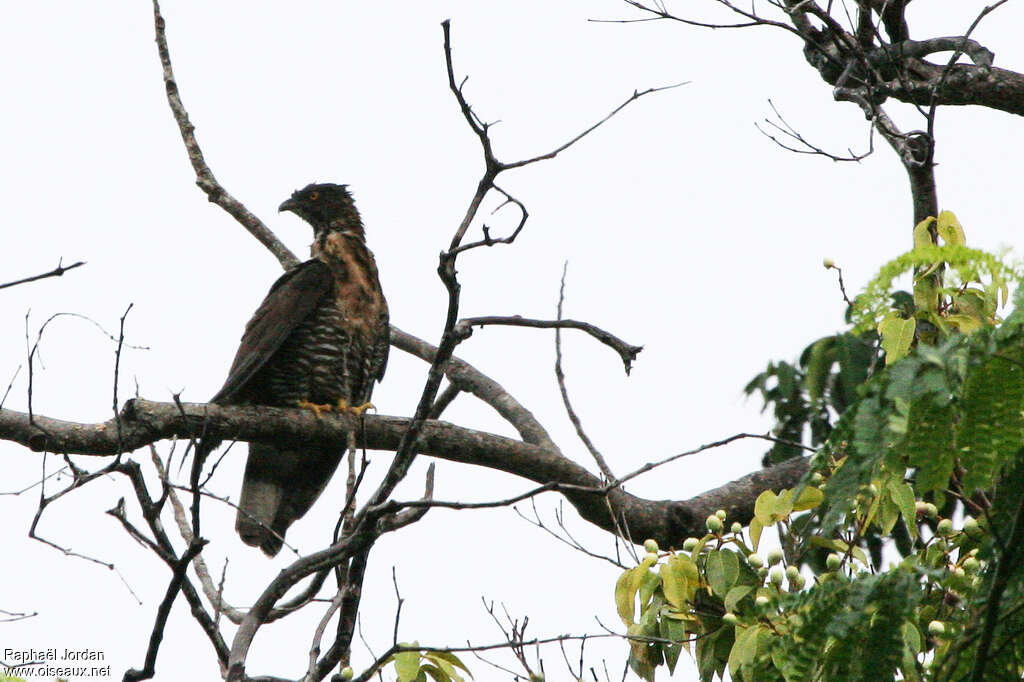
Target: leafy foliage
{"points": [[415, 666], [904, 546], [806, 397]]}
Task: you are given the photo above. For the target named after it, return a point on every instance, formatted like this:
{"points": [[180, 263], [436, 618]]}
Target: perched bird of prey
{"points": [[318, 340]]}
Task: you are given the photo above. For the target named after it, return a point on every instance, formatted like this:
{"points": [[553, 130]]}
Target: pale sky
{"points": [[686, 231]]}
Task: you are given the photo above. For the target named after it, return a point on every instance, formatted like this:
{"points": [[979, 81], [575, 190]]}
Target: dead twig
{"points": [[56, 272], [626, 351], [560, 378]]}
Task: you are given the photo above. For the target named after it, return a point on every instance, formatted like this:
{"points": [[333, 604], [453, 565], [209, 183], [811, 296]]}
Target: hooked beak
{"points": [[287, 205]]}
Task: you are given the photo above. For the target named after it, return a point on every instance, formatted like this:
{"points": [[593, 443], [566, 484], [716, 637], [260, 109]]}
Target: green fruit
{"points": [[833, 561], [651, 545], [792, 573], [755, 560], [714, 523], [730, 618], [936, 628], [774, 556], [346, 673], [775, 575], [690, 543], [651, 557], [945, 527]]}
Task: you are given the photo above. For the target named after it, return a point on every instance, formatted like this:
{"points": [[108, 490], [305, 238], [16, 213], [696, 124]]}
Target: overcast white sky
{"points": [[685, 229]]}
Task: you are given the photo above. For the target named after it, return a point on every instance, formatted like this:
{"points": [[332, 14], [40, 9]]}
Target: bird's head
{"points": [[325, 206]]}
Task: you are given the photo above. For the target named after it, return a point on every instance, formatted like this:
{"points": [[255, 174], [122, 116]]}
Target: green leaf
{"points": [[992, 427], [437, 674], [888, 513], [756, 528], [744, 650], [809, 498], [734, 595], [679, 580], [649, 582], [965, 324], [903, 495], [897, 336], [625, 594], [675, 631], [922, 237], [407, 665], [643, 657], [713, 652], [722, 569], [818, 366], [764, 507], [446, 659], [929, 443], [950, 230], [783, 506], [912, 637]]}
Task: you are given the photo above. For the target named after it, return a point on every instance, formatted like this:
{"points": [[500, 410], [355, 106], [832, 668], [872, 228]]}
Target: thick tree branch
{"points": [[144, 422], [473, 381]]}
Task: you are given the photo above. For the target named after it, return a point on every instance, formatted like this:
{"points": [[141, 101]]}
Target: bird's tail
{"points": [[279, 487]]}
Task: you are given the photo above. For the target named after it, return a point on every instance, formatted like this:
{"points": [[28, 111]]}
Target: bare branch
{"points": [[157, 635], [56, 272], [398, 606], [660, 13], [473, 381], [567, 539], [637, 94], [215, 594], [829, 265], [10, 385], [709, 446], [806, 147], [626, 351], [447, 397], [488, 240], [964, 45], [318, 634], [204, 176], [560, 378], [10, 616]]}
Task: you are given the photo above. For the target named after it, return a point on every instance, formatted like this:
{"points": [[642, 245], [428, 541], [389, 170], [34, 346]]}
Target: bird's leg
{"points": [[316, 407], [355, 410]]}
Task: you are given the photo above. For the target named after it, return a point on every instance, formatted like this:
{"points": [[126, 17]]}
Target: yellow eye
{"points": [[313, 196]]}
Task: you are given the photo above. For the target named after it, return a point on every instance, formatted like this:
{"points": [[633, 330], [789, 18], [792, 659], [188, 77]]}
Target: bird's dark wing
{"points": [[381, 347], [291, 299]]}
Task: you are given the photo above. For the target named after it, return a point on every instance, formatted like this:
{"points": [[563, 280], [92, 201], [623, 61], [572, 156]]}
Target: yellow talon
{"points": [[316, 407], [356, 410]]}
